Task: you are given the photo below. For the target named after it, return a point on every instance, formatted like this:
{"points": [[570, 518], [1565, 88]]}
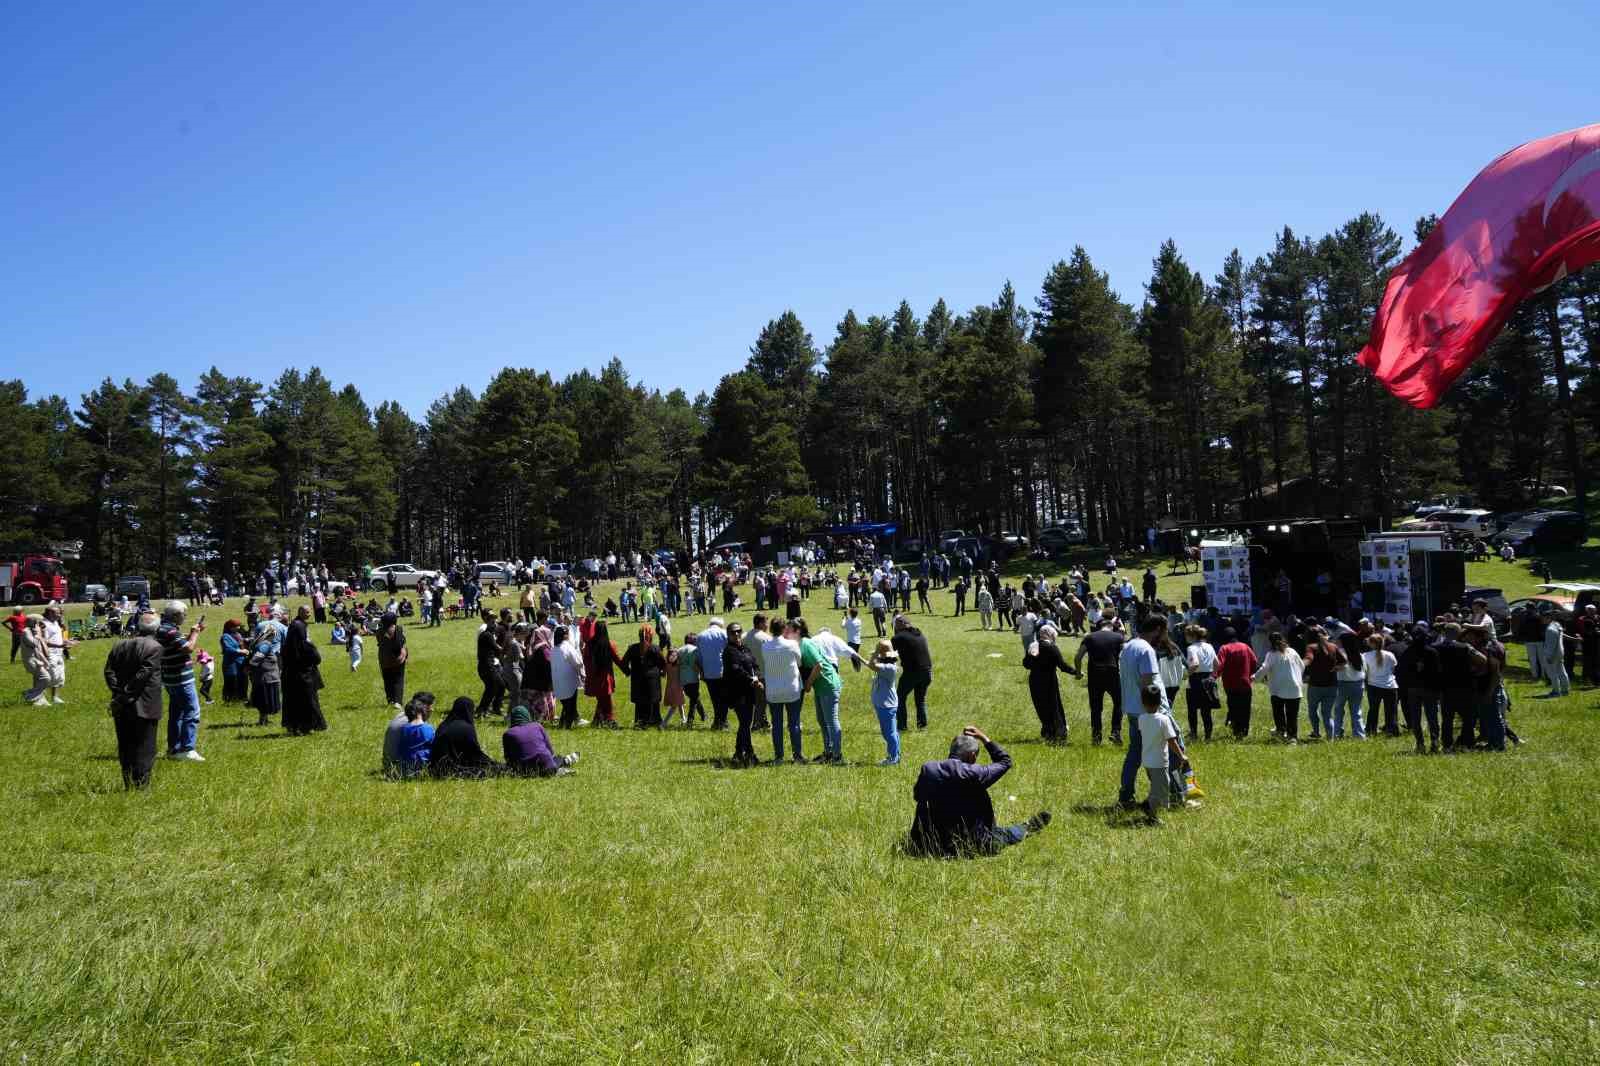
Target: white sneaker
{"points": [[190, 756], [583, 721], [59, 702], [572, 758]]}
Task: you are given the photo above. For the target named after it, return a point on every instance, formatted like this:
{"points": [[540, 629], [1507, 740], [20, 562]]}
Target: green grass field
{"points": [[1333, 903]]}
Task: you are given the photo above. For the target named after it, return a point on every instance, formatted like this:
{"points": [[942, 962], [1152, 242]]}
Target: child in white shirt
{"points": [[852, 630], [352, 645], [1161, 755]]}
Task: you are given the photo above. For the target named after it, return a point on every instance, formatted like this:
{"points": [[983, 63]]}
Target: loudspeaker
{"points": [[1198, 598], [1438, 578]]}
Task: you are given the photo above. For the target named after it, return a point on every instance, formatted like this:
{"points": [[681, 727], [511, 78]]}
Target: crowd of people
{"points": [[1438, 681]]}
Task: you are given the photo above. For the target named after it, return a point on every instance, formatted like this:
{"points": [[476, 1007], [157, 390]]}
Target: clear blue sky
{"points": [[414, 196]]}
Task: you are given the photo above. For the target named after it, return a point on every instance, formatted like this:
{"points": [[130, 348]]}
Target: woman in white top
{"points": [[1382, 686], [780, 662], [1171, 667], [1202, 662], [1285, 673], [566, 676]]}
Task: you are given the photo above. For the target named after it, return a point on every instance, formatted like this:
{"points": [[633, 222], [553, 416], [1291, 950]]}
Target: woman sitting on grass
{"points": [[527, 748], [456, 751]]}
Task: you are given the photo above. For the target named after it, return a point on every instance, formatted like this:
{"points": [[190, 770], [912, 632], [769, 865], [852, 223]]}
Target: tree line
{"points": [[1207, 395]]}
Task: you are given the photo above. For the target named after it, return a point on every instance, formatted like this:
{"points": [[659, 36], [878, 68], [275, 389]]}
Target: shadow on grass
{"points": [[100, 758], [1114, 815], [227, 725], [266, 736]]}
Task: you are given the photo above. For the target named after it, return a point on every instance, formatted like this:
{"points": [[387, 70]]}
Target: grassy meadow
{"points": [[283, 903]]}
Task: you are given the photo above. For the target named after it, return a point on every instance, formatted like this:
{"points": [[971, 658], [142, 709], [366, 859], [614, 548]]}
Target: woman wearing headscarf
{"points": [[644, 666], [513, 647], [742, 688], [527, 747], [266, 678], [235, 656], [566, 675], [456, 751], [538, 682], [1042, 659], [302, 679], [36, 659], [602, 659]]}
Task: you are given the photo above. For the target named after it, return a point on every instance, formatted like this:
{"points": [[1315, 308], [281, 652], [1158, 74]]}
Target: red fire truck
{"points": [[35, 579]]}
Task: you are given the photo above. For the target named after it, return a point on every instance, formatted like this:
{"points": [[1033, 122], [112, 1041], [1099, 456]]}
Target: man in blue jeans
{"points": [[177, 676], [1137, 668]]}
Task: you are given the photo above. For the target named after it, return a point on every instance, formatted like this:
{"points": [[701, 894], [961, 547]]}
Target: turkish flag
{"points": [[1529, 219]]}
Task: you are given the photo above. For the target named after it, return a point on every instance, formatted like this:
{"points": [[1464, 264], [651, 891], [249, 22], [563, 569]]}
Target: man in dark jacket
{"points": [[133, 674], [916, 669], [954, 815]]}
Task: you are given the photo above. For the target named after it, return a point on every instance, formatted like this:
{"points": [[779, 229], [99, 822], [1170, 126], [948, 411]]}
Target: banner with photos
{"points": [[1388, 562], [1226, 569]]}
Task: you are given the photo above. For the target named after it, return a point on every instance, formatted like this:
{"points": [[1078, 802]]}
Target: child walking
{"points": [[352, 647], [1162, 755], [208, 672], [885, 701]]}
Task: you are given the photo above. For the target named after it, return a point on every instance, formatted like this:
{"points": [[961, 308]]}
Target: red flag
{"points": [[1528, 220]]}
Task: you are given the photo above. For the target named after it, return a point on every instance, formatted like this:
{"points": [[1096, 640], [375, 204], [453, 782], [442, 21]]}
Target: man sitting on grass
{"points": [[954, 815]]}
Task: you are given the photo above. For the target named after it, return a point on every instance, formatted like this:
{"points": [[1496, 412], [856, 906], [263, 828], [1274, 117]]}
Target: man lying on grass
{"points": [[954, 815]]}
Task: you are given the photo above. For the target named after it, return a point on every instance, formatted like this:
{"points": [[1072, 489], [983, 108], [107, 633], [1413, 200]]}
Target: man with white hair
{"points": [[177, 676], [955, 816], [709, 645], [133, 674]]}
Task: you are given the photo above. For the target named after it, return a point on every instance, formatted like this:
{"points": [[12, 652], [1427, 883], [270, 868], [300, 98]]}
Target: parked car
{"points": [[406, 576], [558, 571], [948, 538], [1546, 605], [1494, 599], [1074, 531], [133, 586], [1577, 594], [1441, 503], [499, 573], [1544, 531], [1477, 522], [91, 593]]}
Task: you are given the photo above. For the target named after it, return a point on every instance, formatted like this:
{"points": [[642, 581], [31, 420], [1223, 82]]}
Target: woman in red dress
{"points": [[602, 659]]}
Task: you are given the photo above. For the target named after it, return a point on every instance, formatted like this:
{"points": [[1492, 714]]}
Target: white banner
{"points": [[1226, 570]]}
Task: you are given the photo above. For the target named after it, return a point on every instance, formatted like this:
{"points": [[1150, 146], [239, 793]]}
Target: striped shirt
{"points": [[176, 668]]}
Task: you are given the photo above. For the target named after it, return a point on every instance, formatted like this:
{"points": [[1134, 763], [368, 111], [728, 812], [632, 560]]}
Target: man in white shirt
{"points": [[1138, 667], [757, 639]]}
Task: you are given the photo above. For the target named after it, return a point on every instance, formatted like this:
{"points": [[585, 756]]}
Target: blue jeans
{"points": [[1350, 693], [777, 710], [828, 720], [183, 718], [1130, 761], [1319, 706], [889, 725], [1491, 727]]}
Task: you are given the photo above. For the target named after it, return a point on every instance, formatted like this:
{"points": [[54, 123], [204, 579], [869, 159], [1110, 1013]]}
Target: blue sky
{"points": [[413, 196]]}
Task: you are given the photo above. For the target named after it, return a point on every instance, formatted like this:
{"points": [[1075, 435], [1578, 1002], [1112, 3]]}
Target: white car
{"points": [[499, 573], [557, 570], [1479, 523], [406, 576]]}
